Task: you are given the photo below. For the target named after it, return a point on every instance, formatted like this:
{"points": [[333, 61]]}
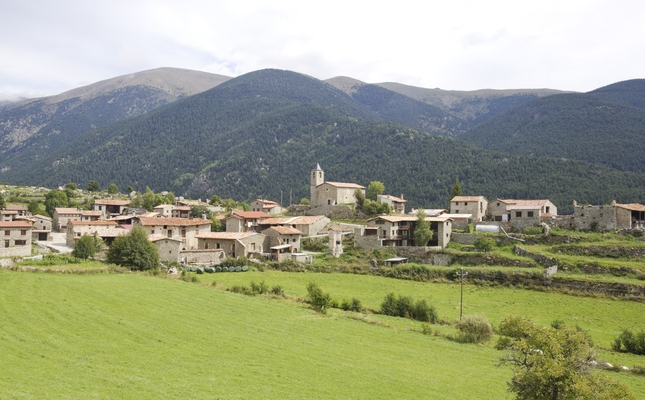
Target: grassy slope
{"points": [[129, 336]]}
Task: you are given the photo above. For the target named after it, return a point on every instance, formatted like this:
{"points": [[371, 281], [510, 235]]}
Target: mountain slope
{"points": [[31, 128], [586, 127], [259, 135]]}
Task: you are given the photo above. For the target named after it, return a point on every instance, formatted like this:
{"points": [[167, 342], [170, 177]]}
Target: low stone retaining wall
{"points": [[541, 259]]}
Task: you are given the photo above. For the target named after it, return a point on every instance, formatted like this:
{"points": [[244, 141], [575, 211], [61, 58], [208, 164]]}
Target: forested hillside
{"points": [[592, 127], [260, 134], [31, 129]]}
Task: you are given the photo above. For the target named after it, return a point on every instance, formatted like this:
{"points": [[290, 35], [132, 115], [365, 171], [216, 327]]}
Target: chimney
{"points": [[402, 196]]}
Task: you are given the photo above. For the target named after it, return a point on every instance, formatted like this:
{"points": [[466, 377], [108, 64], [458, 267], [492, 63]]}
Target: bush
{"points": [[405, 307], [260, 288], [319, 301], [315, 244], [474, 329], [134, 250], [353, 305], [533, 230], [484, 243], [277, 290], [630, 342]]}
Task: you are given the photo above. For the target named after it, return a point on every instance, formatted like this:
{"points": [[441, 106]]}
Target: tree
{"points": [[422, 231], [86, 246], [134, 250], [113, 188], [93, 186], [456, 189], [245, 206], [55, 199], [360, 198], [484, 243], [200, 211], [553, 363], [319, 300], [215, 200], [71, 186], [374, 189], [305, 201], [217, 225], [150, 200], [130, 189], [3, 203], [33, 207], [371, 207]]}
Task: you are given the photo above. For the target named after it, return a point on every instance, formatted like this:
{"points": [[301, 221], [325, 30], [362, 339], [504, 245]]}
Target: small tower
{"points": [[317, 178]]}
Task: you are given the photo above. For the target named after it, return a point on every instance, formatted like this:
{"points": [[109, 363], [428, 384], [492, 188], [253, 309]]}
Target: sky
{"points": [[51, 46]]}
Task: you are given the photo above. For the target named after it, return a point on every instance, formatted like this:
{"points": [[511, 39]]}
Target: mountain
{"points": [[31, 128], [605, 126], [260, 134], [444, 112]]}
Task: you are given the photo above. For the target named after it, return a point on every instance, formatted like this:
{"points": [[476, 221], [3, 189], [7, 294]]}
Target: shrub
{"points": [[260, 288], [484, 243], [214, 283], [474, 329], [405, 307], [319, 301], [353, 305], [134, 250], [533, 230], [314, 244], [277, 290], [630, 342]]}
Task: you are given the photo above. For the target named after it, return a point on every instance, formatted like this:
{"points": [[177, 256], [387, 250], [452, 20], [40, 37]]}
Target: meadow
{"points": [[137, 336]]}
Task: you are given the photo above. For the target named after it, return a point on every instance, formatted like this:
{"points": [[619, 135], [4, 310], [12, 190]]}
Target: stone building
{"points": [[107, 229], [234, 244], [63, 215], [17, 238], [267, 206], [309, 225], [110, 208], [183, 229], [330, 193], [477, 206], [398, 230], [283, 235], [397, 204], [244, 221], [608, 217]]}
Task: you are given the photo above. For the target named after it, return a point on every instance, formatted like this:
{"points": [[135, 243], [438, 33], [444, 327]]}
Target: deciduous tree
{"points": [[55, 199], [374, 189], [134, 250], [422, 231], [93, 186]]}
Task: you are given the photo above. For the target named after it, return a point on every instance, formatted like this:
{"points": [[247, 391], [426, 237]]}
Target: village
{"points": [[272, 232]]}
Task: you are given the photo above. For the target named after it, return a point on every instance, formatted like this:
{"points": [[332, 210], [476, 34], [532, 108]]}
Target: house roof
{"points": [[157, 238], [537, 203], [63, 210], [343, 185], [250, 214], [302, 220], [93, 223], [112, 232], [285, 230], [399, 218], [92, 213], [15, 224], [8, 212], [267, 203], [468, 198], [226, 235], [457, 216], [11, 207], [145, 221], [632, 206], [107, 202], [41, 217], [182, 208], [392, 198], [523, 207], [163, 206]]}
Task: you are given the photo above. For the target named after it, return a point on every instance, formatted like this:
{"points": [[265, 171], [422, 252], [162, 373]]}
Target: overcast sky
{"points": [[50, 46]]}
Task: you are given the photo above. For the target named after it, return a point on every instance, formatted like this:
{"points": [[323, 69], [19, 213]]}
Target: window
{"points": [[457, 203], [465, 203], [169, 232], [183, 233], [518, 214], [529, 214], [218, 245], [20, 242], [7, 233], [456, 211], [497, 204], [23, 232], [548, 209]]}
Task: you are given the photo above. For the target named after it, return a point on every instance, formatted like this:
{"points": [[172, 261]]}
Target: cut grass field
{"points": [[136, 336]]}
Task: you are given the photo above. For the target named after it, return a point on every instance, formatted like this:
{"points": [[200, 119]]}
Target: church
{"points": [[330, 193]]}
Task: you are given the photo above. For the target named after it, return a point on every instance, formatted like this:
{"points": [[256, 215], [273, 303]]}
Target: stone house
{"points": [[183, 229], [19, 209], [42, 227], [164, 210], [506, 210], [309, 225], [267, 206], [76, 229], [477, 206], [180, 212], [398, 230], [330, 193], [8, 215], [63, 215], [234, 244], [283, 235], [397, 204], [91, 215], [17, 238], [110, 208], [608, 217], [244, 221]]}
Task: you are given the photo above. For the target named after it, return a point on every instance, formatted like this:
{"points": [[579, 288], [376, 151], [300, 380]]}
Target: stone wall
{"points": [[213, 257], [464, 238], [423, 256], [369, 242], [335, 212], [599, 218], [541, 259]]}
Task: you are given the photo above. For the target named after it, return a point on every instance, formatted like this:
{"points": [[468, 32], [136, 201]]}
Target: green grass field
{"points": [[136, 336]]}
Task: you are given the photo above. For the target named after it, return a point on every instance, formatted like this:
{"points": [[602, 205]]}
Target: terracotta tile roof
{"points": [[344, 185], [285, 230], [392, 198], [156, 238], [41, 217], [251, 214], [106, 202], [145, 221], [538, 203], [632, 206], [400, 218], [10, 207], [15, 224], [523, 207], [226, 235], [302, 220], [182, 208], [63, 210], [93, 223], [8, 212], [468, 198], [92, 213]]}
